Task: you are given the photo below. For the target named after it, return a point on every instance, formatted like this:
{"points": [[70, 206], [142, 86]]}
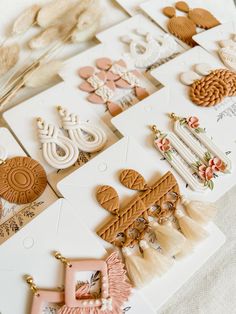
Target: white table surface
{"points": [[212, 289]]}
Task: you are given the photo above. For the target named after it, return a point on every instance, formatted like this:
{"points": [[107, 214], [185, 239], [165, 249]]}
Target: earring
{"points": [[86, 136], [211, 89], [122, 77], [195, 137], [201, 17], [227, 53], [150, 50], [180, 26], [58, 150], [100, 88], [114, 291], [22, 179], [41, 298], [179, 157]]}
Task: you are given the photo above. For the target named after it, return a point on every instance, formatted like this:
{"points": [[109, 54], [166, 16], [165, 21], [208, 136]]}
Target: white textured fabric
{"points": [[212, 290]]}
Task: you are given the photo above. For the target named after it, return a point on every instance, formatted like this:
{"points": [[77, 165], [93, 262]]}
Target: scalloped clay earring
{"points": [[201, 17], [227, 52], [180, 26]]}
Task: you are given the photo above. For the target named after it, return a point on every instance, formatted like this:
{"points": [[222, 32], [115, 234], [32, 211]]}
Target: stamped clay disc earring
{"points": [[22, 179], [180, 26]]}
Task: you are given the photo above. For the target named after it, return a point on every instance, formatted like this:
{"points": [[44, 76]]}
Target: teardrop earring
{"points": [[88, 137], [58, 150]]}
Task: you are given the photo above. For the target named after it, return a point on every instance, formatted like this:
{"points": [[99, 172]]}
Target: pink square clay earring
{"points": [[42, 298], [114, 290]]}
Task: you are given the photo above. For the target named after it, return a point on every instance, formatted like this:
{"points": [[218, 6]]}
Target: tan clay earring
{"points": [[201, 17], [180, 26]]}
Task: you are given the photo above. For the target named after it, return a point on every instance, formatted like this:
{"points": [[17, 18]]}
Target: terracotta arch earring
{"points": [[180, 26], [201, 17]]}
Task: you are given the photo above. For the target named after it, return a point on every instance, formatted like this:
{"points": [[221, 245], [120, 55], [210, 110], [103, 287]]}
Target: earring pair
{"points": [[147, 49], [192, 153], [101, 85], [185, 27], [61, 151]]}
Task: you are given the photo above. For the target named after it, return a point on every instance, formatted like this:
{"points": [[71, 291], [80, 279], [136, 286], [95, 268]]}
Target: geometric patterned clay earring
{"points": [[22, 179], [114, 290]]}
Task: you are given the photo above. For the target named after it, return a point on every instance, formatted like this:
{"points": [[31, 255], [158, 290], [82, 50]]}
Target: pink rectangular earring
{"points": [[42, 298]]}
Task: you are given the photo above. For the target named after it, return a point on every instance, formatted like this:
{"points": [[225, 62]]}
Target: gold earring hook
{"points": [[155, 129], [59, 108], [174, 116], [30, 282], [62, 259]]}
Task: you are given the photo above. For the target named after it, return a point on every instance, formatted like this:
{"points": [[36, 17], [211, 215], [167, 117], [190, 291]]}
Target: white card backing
{"points": [[44, 105], [80, 188]]}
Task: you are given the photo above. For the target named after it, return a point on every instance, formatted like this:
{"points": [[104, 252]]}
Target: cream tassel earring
{"points": [[170, 239], [157, 263], [137, 269], [201, 212], [191, 229]]}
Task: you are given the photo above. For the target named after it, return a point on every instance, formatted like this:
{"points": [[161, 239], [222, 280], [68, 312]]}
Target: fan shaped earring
{"points": [[58, 150], [180, 26], [88, 137], [22, 179]]}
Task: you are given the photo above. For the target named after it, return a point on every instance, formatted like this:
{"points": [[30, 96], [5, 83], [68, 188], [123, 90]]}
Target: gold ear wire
{"points": [[62, 259], [174, 116], [59, 108], [155, 129], [30, 281]]}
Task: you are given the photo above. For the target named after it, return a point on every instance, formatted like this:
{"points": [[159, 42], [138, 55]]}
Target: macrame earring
{"points": [[101, 90], [212, 161], [145, 52], [22, 179], [227, 53], [114, 290], [88, 137], [210, 89], [122, 77], [201, 17], [44, 301], [180, 26], [58, 150]]}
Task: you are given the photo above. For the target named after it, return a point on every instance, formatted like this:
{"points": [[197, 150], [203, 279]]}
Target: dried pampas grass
{"points": [[51, 12], [44, 75], [25, 20], [9, 56], [45, 38]]}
